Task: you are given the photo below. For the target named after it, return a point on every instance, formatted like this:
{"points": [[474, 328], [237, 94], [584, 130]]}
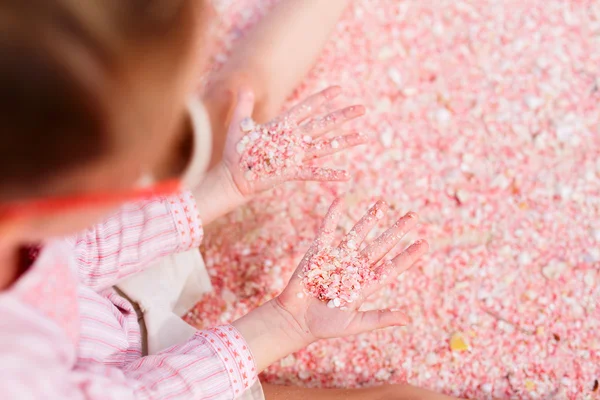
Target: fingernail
{"points": [[354, 111], [379, 203], [411, 214], [416, 246], [332, 92], [246, 94], [404, 319]]}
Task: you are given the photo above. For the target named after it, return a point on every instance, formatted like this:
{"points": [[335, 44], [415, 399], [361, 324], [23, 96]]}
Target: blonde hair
{"points": [[52, 117]]}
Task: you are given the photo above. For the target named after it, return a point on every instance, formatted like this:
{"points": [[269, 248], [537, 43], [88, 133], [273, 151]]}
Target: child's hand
{"points": [[259, 157], [318, 319], [307, 309]]}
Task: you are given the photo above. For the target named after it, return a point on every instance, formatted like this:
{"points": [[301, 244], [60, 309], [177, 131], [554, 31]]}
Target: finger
{"points": [[318, 174], [309, 106], [303, 173], [403, 261], [320, 126], [325, 147], [330, 222], [242, 114], [376, 319], [359, 232], [314, 174], [384, 243], [325, 235], [390, 270]]}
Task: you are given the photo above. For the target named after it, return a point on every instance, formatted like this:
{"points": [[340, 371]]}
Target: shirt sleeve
{"points": [[38, 362], [214, 364], [134, 237]]}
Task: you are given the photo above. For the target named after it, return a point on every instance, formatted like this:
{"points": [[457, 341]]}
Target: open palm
{"points": [[286, 144], [315, 317]]}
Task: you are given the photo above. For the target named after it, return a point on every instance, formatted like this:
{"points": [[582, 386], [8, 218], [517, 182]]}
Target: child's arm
{"points": [[272, 60], [39, 361], [296, 318], [132, 238]]}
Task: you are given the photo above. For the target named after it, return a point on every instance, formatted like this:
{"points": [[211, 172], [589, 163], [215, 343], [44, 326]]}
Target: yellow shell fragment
{"points": [[458, 342], [529, 385], [540, 330]]}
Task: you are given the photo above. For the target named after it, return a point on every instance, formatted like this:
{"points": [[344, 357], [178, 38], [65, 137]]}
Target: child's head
{"points": [[92, 96]]}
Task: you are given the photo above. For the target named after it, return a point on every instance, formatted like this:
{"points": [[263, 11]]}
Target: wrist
{"points": [[217, 194], [271, 333]]}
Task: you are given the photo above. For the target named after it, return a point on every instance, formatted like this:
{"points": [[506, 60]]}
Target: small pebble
{"points": [[458, 342], [431, 358], [247, 125], [524, 259], [462, 196], [387, 138], [240, 147], [395, 77], [529, 385], [533, 102], [443, 115], [487, 388]]}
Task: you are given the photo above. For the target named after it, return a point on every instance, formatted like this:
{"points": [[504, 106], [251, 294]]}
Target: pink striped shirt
{"points": [[66, 334]]}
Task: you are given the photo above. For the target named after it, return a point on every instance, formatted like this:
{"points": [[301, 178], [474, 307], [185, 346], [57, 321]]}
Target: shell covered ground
{"points": [[485, 121]]}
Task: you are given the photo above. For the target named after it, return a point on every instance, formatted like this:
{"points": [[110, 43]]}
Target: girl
{"points": [[93, 99]]}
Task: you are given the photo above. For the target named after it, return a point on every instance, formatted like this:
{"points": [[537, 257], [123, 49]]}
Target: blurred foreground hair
{"points": [[54, 57]]}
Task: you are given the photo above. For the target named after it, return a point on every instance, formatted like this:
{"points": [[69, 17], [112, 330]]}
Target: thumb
{"points": [[244, 106], [376, 319]]}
